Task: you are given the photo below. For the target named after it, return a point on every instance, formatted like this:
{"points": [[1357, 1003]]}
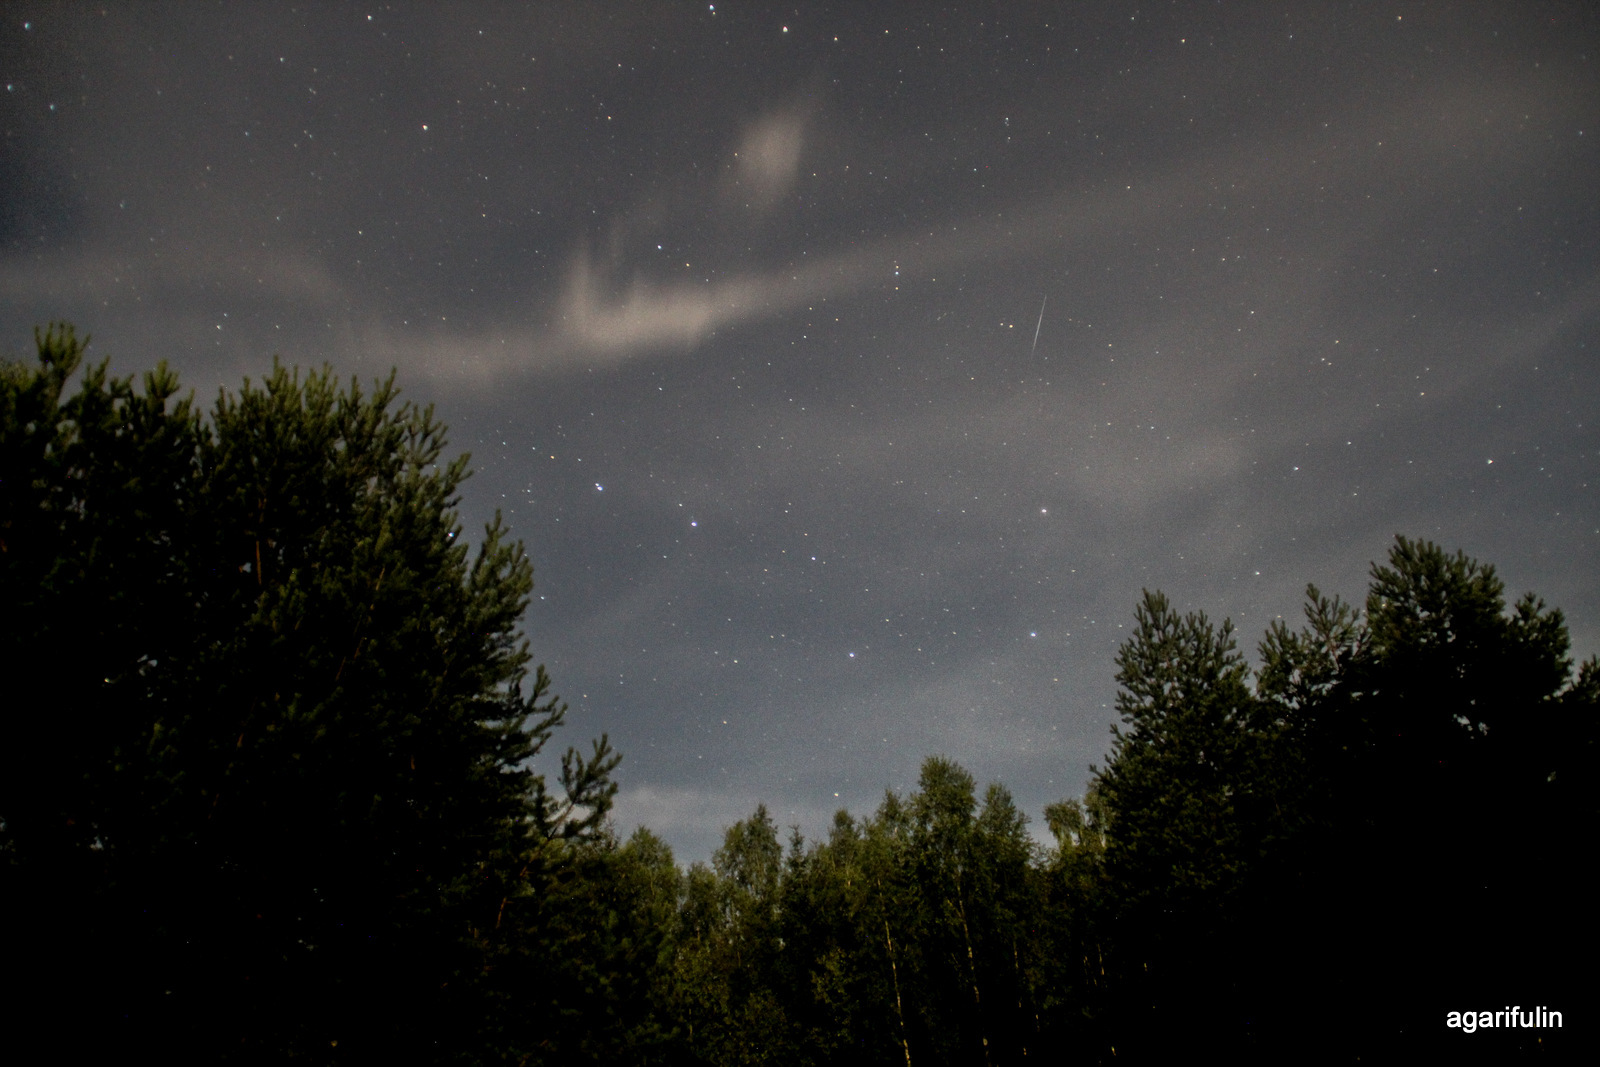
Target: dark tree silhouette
{"points": [[264, 785], [265, 794]]}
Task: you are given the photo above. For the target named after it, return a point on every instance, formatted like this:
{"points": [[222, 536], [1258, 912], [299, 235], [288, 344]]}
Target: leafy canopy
{"points": [[268, 741]]}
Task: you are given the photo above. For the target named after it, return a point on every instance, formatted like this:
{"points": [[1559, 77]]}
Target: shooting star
{"points": [[1037, 326]]}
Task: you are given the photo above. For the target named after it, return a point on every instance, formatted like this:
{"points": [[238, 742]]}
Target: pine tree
{"points": [[1362, 834], [1447, 730], [1171, 788], [1180, 841]]}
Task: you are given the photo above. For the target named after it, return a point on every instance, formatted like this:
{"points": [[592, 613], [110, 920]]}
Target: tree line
{"points": [[265, 793]]}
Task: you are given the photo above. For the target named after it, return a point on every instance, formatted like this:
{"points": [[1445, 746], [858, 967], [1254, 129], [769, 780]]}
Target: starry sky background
{"points": [[848, 369]]}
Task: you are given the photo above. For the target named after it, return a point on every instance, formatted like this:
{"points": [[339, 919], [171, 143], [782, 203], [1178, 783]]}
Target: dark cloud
{"points": [[735, 311]]}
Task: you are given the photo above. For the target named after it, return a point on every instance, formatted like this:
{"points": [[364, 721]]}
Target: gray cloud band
{"points": [[597, 320]]}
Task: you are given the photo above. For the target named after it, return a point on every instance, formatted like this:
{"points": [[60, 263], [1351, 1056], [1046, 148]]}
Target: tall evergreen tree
{"points": [[1447, 726], [1171, 786], [1176, 796], [1319, 844]]}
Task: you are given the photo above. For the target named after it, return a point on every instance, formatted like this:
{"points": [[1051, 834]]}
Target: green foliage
{"points": [[584, 966], [1281, 836], [1072, 921], [1299, 668], [1172, 788], [268, 750], [1261, 849], [728, 946], [267, 764], [906, 936]]}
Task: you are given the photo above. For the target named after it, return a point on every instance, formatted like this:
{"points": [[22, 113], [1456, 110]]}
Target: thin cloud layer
{"points": [[767, 161], [598, 321], [738, 326]]}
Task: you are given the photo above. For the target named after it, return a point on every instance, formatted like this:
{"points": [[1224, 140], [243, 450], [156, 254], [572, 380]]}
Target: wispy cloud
{"points": [[767, 160], [606, 317], [609, 310]]}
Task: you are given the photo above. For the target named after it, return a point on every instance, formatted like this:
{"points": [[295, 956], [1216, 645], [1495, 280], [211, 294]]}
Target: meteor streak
{"points": [[1037, 325]]}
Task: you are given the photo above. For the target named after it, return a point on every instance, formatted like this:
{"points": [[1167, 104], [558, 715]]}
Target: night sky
{"points": [[848, 370]]}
